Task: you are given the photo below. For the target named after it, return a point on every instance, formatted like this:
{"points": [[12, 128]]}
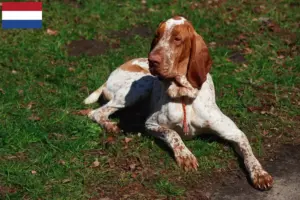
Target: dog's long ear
{"points": [[199, 63]]}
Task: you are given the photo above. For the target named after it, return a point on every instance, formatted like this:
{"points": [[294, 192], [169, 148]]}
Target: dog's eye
{"points": [[177, 39]]}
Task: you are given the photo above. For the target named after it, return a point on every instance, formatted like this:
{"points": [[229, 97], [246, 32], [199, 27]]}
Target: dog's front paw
{"points": [[262, 180], [188, 92], [111, 127], [186, 160]]}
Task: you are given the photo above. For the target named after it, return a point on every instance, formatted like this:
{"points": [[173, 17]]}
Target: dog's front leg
{"points": [[184, 157], [227, 129]]}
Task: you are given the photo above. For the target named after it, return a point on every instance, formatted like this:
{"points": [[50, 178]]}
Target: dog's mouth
{"points": [[161, 76]]}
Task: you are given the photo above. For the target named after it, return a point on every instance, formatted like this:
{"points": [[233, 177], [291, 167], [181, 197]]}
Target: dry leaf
{"points": [[82, 112], [133, 175], [62, 162], [51, 32], [110, 139], [127, 139], [21, 92], [132, 166], [67, 180], [33, 172], [2, 91], [13, 71], [96, 163], [30, 104], [247, 50], [265, 132], [71, 69], [34, 118]]}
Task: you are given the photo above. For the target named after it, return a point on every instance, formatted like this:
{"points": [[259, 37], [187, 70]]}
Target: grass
{"points": [[47, 151]]}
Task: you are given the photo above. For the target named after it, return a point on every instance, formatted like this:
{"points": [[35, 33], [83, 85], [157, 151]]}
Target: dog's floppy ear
{"points": [[199, 63]]}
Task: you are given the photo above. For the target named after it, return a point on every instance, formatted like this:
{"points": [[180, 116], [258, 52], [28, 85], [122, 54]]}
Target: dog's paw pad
{"points": [[262, 180]]}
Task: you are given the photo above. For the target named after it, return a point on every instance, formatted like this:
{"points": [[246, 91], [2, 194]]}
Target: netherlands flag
{"points": [[21, 15]]}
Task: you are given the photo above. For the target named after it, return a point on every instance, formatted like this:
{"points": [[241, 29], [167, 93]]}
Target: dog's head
{"points": [[177, 50]]}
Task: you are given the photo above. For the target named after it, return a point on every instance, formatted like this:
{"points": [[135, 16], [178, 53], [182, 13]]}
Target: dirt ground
{"points": [[285, 168]]}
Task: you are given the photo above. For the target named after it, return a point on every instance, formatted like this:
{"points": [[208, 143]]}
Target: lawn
{"points": [[49, 149]]}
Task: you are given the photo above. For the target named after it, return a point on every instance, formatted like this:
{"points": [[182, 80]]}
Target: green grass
{"points": [[39, 79]]}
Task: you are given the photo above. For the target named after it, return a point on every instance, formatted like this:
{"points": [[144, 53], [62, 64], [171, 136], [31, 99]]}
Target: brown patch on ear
{"points": [[200, 62], [133, 68]]}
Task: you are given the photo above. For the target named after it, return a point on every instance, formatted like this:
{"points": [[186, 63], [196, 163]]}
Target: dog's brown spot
{"points": [[134, 68]]}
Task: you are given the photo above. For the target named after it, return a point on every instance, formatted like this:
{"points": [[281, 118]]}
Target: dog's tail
{"points": [[92, 98]]}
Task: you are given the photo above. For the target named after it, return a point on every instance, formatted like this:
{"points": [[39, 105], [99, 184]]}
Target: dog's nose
{"points": [[154, 59]]}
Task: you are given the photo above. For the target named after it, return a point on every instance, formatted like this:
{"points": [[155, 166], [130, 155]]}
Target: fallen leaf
{"points": [[132, 166], [247, 50], [30, 104], [62, 162], [34, 118], [110, 140], [96, 163], [127, 139], [71, 69], [13, 71], [55, 135], [253, 108], [33, 172], [82, 112], [51, 32], [133, 175], [21, 92], [265, 132], [212, 45], [67, 180], [2, 91]]}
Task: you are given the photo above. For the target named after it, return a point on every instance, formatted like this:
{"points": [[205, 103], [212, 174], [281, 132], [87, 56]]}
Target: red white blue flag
{"points": [[21, 15]]}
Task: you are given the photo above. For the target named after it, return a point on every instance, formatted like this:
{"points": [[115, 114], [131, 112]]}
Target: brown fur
{"points": [[133, 68], [200, 62]]}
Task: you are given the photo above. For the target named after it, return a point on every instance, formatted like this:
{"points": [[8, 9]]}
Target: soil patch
{"points": [[285, 169], [89, 47]]}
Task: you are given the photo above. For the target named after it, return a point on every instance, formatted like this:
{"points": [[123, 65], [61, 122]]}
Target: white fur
{"points": [[173, 22], [92, 98]]}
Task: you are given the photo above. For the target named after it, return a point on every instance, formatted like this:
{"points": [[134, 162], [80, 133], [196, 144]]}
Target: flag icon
{"points": [[21, 15]]}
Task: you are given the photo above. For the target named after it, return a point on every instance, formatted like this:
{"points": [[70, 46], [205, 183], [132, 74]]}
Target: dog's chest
{"points": [[175, 115]]}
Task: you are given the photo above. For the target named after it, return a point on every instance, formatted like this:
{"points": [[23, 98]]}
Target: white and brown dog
{"points": [[176, 77]]}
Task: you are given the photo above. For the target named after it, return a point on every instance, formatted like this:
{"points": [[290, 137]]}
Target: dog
{"points": [[176, 79]]}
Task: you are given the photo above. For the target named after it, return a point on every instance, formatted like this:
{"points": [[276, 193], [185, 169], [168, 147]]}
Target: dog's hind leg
{"points": [[101, 116]]}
